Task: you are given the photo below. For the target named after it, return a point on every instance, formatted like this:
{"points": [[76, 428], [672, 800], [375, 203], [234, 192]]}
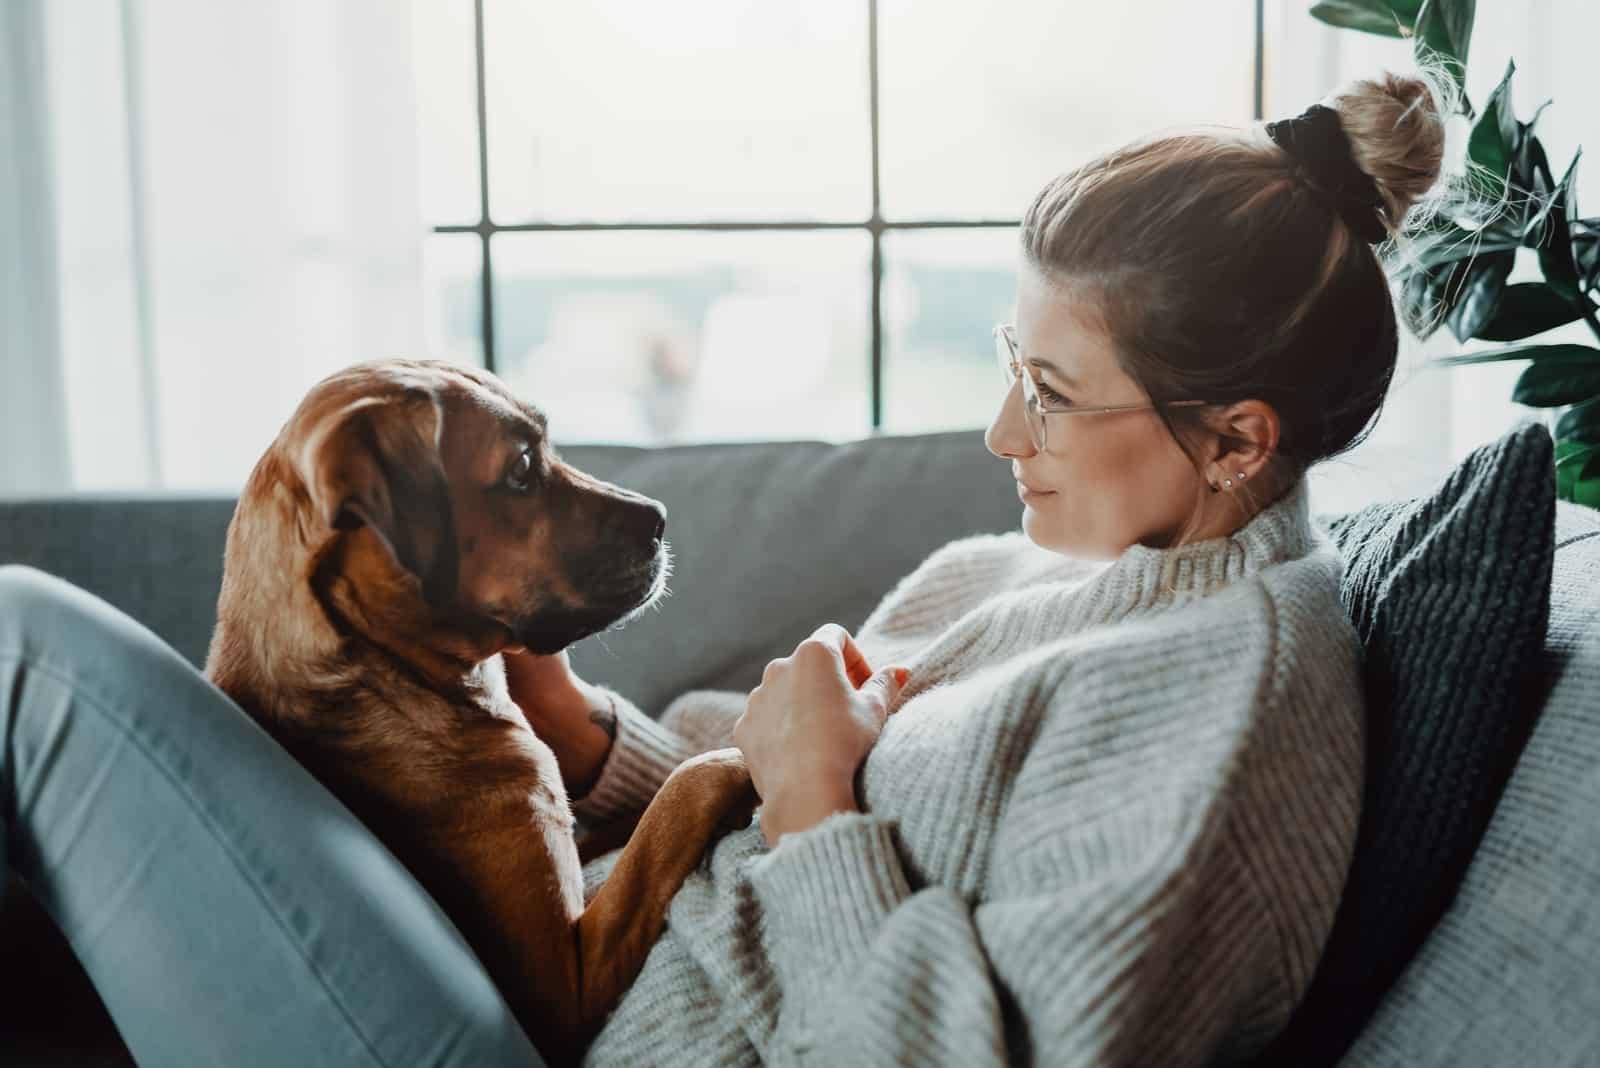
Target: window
{"points": [[745, 220], [664, 223]]}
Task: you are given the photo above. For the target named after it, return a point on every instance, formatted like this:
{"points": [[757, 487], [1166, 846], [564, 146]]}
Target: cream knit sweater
{"points": [[1107, 823]]}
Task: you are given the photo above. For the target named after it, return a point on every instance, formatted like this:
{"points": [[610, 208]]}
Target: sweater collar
{"points": [[1143, 576]]}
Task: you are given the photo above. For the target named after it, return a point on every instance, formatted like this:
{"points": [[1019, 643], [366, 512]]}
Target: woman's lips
{"points": [[1027, 493]]}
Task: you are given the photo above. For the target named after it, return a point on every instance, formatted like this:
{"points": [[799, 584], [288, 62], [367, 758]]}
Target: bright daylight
{"points": [[864, 532]]}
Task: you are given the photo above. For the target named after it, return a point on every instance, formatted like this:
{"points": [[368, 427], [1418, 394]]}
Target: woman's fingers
{"points": [[856, 668], [855, 663]]}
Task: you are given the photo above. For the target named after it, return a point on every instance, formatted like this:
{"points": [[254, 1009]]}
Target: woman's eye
{"points": [[521, 470], [1048, 394]]}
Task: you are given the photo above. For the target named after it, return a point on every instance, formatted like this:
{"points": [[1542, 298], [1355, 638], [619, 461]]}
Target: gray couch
{"points": [[773, 539]]}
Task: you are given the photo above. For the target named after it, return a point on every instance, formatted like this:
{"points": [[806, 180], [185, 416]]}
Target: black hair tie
{"points": [[1317, 141]]}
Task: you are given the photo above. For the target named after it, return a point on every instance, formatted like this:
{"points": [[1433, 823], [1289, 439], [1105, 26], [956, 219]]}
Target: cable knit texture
{"points": [[1107, 822]]}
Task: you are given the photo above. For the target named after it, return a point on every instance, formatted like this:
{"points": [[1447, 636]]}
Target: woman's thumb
{"points": [[887, 684]]}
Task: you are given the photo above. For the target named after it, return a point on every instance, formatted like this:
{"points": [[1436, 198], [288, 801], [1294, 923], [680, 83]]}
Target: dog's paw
{"points": [[720, 778]]}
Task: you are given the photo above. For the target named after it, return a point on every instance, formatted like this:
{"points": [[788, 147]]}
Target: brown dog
{"points": [[409, 522]]}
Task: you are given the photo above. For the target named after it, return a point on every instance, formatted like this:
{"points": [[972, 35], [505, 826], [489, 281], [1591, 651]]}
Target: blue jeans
{"points": [[229, 909]]}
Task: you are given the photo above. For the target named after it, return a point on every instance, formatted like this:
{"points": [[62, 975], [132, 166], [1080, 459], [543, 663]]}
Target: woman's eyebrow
{"points": [[1071, 383]]}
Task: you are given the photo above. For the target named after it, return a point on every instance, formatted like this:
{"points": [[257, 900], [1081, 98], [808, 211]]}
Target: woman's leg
{"points": [[228, 908]]}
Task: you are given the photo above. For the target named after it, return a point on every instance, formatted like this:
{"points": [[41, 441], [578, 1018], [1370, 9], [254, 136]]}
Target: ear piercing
{"points": [[1228, 482]]}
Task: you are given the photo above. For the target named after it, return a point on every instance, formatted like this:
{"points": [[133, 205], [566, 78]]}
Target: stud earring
{"points": [[1241, 476], [1228, 482]]}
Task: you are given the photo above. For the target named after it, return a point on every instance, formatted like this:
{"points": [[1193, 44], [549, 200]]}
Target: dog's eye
{"points": [[520, 472]]}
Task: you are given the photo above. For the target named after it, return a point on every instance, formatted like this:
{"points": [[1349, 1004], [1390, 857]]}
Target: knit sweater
{"points": [[1106, 823]]}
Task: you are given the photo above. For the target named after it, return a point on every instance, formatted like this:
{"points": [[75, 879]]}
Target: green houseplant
{"points": [[1457, 272]]}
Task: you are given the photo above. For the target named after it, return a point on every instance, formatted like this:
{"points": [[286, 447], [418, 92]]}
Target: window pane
{"points": [[660, 337], [943, 291], [452, 311], [635, 110], [447, 110], [981, 104]]}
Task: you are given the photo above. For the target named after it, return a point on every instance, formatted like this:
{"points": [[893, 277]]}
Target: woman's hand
{"points": [[573, 718], [808, 726]]}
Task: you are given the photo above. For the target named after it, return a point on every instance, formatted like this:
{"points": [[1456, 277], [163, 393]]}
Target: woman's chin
{"points": [[1040, 530], [1049, 535]]}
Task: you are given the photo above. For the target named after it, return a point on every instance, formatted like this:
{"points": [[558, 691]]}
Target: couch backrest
{"points": [[771, 540], [159, 559]]}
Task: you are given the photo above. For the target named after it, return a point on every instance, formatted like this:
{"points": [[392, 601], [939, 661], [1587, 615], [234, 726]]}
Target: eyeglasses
{"points": [[1005, 351]]}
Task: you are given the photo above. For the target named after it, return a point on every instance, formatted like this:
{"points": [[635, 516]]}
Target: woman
{"points": [[1083, 793]]}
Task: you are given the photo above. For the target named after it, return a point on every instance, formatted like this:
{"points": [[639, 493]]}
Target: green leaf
{"points": [[1555, 239], [1559, 380], [1587, 491], [1494, 136], [1445, 27], [1570, 458], [1368, 16], [1474, 303], [1528, 308], [1591, 468], [1576, 354], [1450, 243], [1586, 252], [1531, 170], [1428, 297], [1580, 423], [1527, 153]]}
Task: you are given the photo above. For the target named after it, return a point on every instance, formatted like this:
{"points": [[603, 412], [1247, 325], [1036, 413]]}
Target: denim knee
{"points": [[26, 595]]}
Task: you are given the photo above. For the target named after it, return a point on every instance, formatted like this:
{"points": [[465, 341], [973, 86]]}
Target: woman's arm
{"points": [[1137, 941], [1118, 922], [613, 756]]}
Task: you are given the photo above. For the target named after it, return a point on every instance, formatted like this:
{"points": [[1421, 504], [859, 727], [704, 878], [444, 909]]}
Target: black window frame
{"points": [[875, 225]]}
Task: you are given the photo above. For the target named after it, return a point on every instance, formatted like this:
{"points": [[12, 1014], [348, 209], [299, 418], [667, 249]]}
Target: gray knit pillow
{"points": [[1450, 594], [1508, 977]]}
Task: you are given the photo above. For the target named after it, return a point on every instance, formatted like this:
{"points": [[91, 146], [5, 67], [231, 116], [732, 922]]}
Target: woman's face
{"points": [[1108, 480]]}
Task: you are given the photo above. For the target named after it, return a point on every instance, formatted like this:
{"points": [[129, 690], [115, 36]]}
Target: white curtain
{"points": [[32, 408], [220, 203]]}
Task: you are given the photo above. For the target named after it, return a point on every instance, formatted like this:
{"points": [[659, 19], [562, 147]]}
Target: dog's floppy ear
{"points": [[376, 462]]}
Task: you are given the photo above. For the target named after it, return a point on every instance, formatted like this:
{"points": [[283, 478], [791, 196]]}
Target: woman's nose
{"points": [[1007, 435]]}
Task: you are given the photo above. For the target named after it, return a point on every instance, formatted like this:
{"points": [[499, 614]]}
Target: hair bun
{"points": [[1395, 124], [1317, 143]]}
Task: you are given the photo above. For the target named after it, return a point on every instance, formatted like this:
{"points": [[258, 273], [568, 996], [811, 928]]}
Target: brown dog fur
{"points": [[376, 564]]}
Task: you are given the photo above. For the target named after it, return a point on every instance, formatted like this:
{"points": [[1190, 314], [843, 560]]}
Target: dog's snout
{"points": [[653, 519]]}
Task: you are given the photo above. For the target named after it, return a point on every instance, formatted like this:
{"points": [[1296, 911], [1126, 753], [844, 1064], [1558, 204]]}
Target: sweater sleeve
{"points": [[645, 751], [1136, 939]]}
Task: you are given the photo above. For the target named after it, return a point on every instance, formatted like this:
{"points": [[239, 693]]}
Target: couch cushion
{"points": [[1509, 976], [157, 558], [1450, 595]]}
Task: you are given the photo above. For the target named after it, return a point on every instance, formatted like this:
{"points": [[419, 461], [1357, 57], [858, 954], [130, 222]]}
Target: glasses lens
{"points": [[1011, 368], [1033, 409], [1005, 356]]}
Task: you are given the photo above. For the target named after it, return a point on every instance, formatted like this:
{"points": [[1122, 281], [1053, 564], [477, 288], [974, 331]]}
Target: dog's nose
{"points": [[647, 519]]}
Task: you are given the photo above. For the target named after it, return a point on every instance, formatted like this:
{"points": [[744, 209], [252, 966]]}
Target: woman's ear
{"points": [[1247, 437]]}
